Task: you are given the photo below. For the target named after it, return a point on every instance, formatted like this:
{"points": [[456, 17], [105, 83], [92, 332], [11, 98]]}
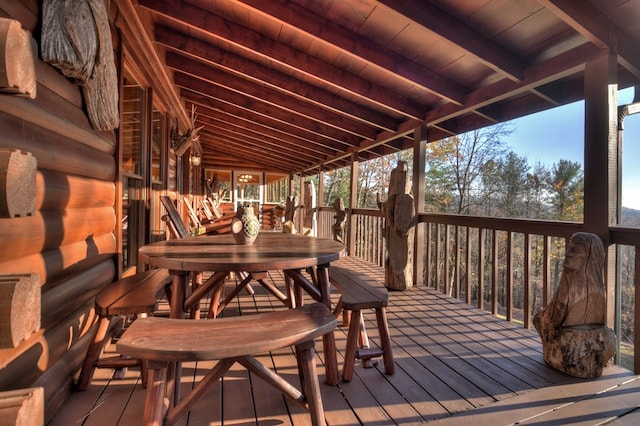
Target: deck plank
{"points": [[540, 405], [455, 364]]}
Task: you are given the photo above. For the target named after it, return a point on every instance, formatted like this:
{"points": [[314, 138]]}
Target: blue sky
{"points": [[558, 134]]}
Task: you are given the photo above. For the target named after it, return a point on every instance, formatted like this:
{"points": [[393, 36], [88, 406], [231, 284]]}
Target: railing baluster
{"points": [[481, 266], [468, 266], [526, 277], [508, 285]]}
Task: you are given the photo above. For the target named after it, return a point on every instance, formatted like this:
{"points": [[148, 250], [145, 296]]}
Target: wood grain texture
{"points": [[19, 308]]}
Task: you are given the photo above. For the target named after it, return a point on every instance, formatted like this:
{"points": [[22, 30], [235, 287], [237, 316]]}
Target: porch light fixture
{"points": [[195, 159], [245, 178]]}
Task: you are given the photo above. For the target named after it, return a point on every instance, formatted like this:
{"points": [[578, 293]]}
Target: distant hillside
{"points": [[630, 217]]}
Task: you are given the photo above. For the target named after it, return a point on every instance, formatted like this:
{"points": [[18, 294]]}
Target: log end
{"points": [[17, 63], [18, 181], [20, 308]]}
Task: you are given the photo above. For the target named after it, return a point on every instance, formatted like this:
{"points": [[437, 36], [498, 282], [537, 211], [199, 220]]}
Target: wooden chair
{"points": [[134, 295], [163, 342]]}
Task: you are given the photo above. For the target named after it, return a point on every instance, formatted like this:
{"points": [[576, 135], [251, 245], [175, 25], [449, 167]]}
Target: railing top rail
{"points": [[525, 226]]}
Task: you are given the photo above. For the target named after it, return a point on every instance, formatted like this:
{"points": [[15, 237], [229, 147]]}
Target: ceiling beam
{"points": [[212, 107], [333, 138], [235, 64], [325, 74], [353, 44], [481, 48], [591, 23]]}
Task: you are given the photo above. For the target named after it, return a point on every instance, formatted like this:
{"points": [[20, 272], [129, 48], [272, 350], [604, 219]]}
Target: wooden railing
{"points": [[505, 266], [509, 267], [628, 239]]}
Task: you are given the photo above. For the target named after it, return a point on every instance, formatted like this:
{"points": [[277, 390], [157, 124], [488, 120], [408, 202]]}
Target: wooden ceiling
{"points": [[289, 85]]}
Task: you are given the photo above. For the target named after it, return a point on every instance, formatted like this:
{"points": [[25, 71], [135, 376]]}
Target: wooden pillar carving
{"points": [[575, 339], [340, 220], [309, 226], [400, 220], [76, 39]]}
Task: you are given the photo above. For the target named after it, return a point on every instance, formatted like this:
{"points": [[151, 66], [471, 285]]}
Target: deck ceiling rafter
{"points": [[312, 141], [371, 53], [211, 55], [594, 25], [324, 79], [334, 137]]}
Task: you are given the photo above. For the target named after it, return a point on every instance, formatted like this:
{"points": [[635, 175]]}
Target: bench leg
{"points": [[154, 397], [93, 353], [309, 382], [351, 348], [291, 297], [385, 341]]}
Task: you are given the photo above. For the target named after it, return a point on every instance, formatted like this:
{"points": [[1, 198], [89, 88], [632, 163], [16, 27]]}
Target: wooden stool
{"points": [[166, 342], [128, 296], [361, 291]]}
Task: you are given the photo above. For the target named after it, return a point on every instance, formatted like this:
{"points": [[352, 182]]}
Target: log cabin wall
{"points": [[68, 241]]}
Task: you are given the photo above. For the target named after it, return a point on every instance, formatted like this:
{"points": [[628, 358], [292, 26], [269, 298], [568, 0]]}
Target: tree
{"points": [[457, 165], [336, 185], [511, 185], [566, 185]]}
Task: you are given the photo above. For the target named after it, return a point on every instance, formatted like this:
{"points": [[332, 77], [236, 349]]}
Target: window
{"points": [[248, 185], [276, 189]]}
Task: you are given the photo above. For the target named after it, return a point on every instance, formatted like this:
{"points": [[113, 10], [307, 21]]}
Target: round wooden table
{"points": [[271, 251]]}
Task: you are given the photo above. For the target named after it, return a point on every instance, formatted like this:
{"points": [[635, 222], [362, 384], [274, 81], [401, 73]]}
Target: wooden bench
{"points": [[132, 295], [362, 291], [164, 341]]}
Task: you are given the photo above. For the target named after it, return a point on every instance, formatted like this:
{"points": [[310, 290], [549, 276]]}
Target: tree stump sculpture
{"points": [[310, 224], [291, 204], [400, 220], [575, 339], [340, 219]]}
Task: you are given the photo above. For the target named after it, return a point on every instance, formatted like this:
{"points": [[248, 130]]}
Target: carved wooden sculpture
{"points": [[400, 220], [291, 204], [76, 38], [575, 339], [309, 227], [340, 219]]}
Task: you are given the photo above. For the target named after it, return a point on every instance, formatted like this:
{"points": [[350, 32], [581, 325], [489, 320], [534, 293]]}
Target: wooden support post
{"points": [[19, 308], [600, 160], [419, 159], [353, 204]]}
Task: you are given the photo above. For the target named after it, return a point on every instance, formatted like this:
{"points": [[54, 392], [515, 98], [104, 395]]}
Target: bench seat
{"points": [[359, 291], [164, 341], [132, 295]]}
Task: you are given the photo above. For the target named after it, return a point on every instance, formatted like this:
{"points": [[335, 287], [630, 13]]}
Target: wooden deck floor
{"points": [[455, 365]]}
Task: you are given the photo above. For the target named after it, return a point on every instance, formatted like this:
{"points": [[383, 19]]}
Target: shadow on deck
{"points": [[455, 365]]}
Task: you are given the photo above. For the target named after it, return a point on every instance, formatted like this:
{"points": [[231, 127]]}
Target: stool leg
{"points": [[352, 345], [364, 343], [309, 382], [93, 353], [385, 341]]}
